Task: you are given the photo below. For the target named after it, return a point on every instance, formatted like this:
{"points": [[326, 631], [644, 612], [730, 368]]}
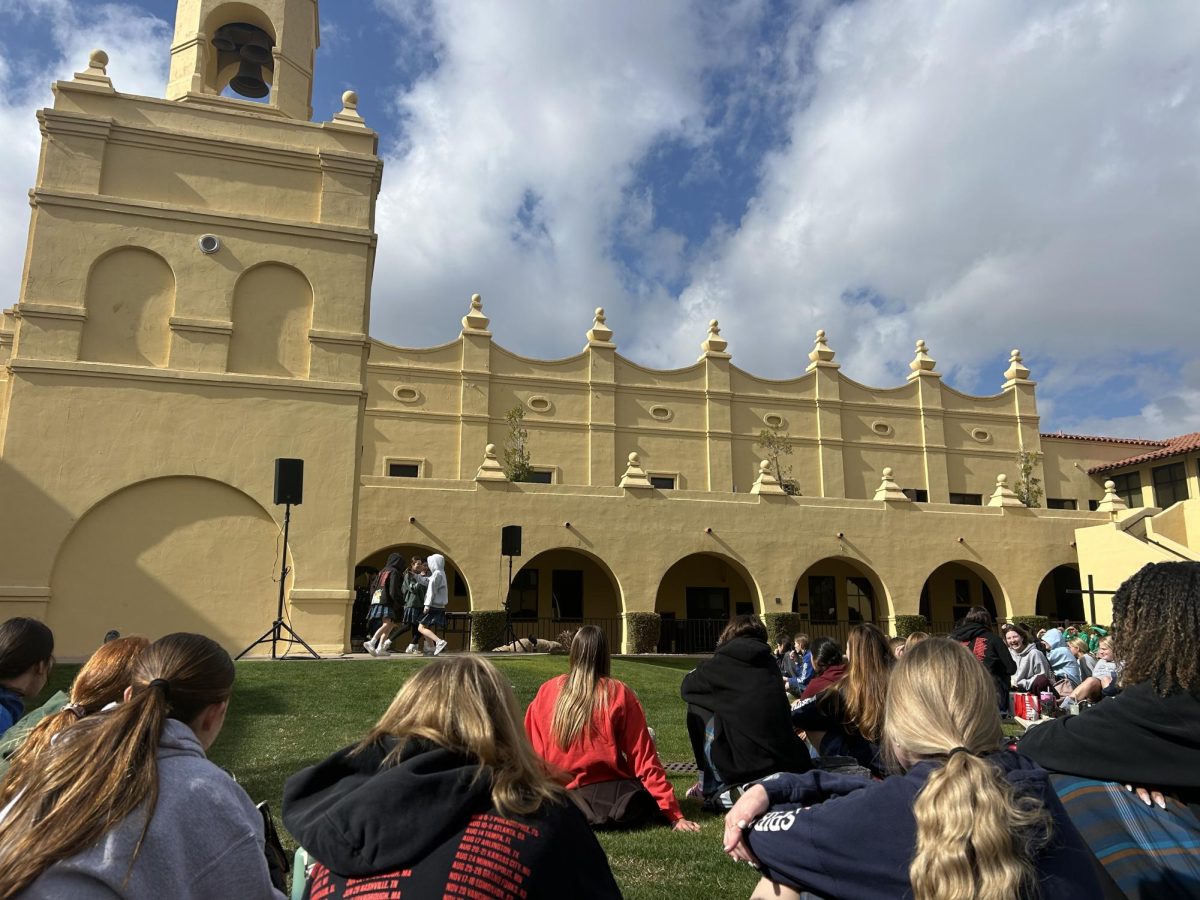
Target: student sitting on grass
{"points": [[444, 791], [829, 667], [592, 727], [125, 804], [1103, 682], [964, 820], [102, 680], [1034, 673], [26, 657]]}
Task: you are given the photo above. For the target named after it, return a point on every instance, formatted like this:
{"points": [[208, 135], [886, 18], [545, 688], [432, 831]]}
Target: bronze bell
{"points": [[249, 81], [225, 40], [257, 48]]}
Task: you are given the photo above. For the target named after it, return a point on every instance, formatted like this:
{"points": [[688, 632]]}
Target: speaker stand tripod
{"points": [[273, 635], [510, 637]]}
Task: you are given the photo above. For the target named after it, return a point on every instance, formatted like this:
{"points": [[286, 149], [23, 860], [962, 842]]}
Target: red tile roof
{"points": [[1105, 440], [1185, 443]]}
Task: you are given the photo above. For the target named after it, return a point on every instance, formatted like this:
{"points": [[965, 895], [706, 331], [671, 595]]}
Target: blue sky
{"points": [[981, 175]]}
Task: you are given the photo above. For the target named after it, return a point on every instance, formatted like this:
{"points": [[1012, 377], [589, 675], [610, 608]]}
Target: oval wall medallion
{"points": [[883, 429], [773, 420], [982, 435], [539, 404], [661, 413], [406, 394]]}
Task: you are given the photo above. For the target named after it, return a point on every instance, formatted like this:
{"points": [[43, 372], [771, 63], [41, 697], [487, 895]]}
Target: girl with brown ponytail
{"points": [[125, 804], [964, 820]]}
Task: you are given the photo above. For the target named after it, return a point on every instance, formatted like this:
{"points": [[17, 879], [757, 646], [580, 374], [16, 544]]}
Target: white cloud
{"points": [[137, 47]]}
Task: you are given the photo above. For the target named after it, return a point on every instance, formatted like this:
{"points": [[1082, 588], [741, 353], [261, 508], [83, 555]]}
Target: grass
{"points": [[288, 715]]}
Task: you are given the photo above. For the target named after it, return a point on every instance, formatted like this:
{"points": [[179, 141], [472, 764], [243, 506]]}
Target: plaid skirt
{"points": [[1149, 852]]}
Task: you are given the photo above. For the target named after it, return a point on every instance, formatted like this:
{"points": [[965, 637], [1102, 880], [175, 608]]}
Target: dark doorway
{"points": [[566, 587]]}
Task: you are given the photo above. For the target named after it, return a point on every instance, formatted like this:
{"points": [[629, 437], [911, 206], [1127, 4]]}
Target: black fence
{"points": [[550, 629]]}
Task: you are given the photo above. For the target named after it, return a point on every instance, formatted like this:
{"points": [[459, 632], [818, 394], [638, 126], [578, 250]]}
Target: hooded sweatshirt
{"points": [[391, 580], [1060, 657], [990, 651], [205, 840], [753, 734], [436, 595], [427, 827], [820, 825], [1031, 662]]}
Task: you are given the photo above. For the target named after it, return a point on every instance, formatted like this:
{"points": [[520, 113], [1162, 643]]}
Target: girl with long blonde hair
{"points": [[443, 789], [962, 820], [591, 727], [125, 804]]}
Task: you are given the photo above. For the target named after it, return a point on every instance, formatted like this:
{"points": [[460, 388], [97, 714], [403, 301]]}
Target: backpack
{"points": [[381, 581]]}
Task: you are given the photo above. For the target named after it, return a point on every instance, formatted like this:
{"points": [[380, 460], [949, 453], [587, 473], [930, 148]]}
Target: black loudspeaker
{"points": [[289, 481], [510, 540]]}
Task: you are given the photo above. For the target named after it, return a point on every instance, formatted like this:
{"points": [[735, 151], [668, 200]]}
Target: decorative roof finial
{"points": [[600, 335], [714, 343], [1017, 370], [96, 72], [1112, 502], [766, 483], [888, 489], [350, 114], [922, 363], [490, 469], [821, 354], [635, 475], [1003, 495], [475, 320]]}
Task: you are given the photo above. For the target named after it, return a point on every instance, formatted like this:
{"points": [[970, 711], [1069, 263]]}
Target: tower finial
{"points": [[475, 320], [923, 363], [714, 343], [600, 334], [821, 353]]}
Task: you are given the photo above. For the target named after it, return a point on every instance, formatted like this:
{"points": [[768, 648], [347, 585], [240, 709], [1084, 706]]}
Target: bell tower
{"points": [[258, 50]]}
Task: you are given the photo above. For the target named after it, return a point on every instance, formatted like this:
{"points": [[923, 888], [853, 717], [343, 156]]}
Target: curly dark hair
{"points": [[1156, 623]]}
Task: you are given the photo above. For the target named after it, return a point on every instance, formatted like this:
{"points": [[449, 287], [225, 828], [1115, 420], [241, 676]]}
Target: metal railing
{"points": [[549, 629]]}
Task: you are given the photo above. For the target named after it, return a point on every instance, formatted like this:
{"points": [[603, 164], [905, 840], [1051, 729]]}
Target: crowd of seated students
{"points": [[109, 791]]}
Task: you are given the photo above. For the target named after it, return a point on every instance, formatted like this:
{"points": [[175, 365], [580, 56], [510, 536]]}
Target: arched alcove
{"points": [[953, 588], [696, 598], [560, 589], [457, 588], [272, 315], [838, 592], [130, 296], [171, 554], [1055, 598]]}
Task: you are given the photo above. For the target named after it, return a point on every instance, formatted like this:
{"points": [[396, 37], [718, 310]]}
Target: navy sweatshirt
{"points": [[859, 836]]}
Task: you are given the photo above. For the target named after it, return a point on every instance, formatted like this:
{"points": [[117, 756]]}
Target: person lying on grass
{"points": [[443, 792], [964, 820], [592, 727]]}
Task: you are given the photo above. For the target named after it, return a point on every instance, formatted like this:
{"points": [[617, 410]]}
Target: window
{"points": [[523, 595], [566, 593], [860, 600], [917, 495], [1170, 484], [403, 470], [663, 482], [822, 598], [1129, 488], [967, 499], [1061, 503], [542, 476], [962, 598], [1093, 505]]}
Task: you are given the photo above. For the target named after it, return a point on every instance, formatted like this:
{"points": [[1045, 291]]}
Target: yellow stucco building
{"points": [[195, 304]]}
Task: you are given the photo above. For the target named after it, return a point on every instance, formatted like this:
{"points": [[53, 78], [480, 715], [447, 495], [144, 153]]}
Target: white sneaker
{"points": [[439, 647], [369, 646], [386, 648], [411, 648]]}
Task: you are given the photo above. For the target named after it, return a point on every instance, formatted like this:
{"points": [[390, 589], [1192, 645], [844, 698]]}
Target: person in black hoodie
{"points": [[1148, 736], [739, 721], [444, 798], [975, 632]]}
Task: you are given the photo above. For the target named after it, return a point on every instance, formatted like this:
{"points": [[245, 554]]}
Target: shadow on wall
{"points": [[172, 554]]}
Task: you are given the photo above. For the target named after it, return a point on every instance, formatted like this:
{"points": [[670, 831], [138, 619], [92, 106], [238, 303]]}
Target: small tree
{"points": [[1029, 487], [775, 443], [516, 446]]}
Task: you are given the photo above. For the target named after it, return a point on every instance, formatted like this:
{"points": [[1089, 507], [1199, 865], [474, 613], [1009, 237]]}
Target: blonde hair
{"points": [[940, 703], [1079, 644], [585, 693], [105, 768], [465, 704]]}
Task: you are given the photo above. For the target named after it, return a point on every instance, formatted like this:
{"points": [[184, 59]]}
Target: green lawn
{"points": [[287, 715]]}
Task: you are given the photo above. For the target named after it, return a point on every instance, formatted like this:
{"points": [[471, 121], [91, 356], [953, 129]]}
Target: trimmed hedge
{"points": [[906, 625], [1033, 623], [786, 622], [642, 630], [487, 629]]}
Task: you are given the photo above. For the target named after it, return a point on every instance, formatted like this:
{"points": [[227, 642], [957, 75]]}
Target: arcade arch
{"points": [[953, 588], [365, 571], [838, 592], [1054, 599], [560, 589], [696, 598]]}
